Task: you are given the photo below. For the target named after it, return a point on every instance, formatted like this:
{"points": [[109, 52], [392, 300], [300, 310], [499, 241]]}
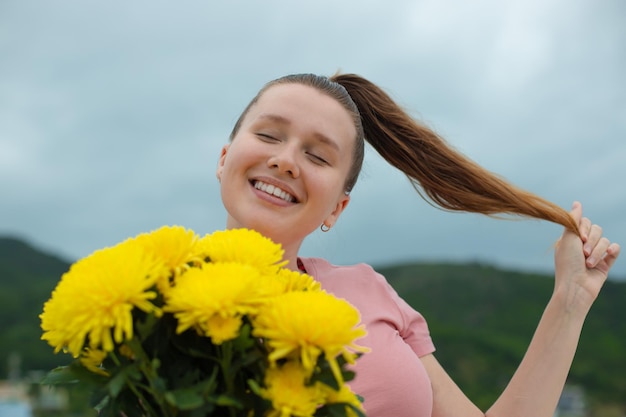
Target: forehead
{"points": [[304, 107]]}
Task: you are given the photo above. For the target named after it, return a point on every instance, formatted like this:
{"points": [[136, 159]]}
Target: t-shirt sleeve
{"points": [[416, 332], [414, 329]]}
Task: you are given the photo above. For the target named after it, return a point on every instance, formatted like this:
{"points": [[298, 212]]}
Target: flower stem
{"points": [[150, 374], [229, 380]]}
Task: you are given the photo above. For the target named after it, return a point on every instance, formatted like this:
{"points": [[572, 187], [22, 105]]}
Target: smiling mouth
{"points": [[273, 190]]}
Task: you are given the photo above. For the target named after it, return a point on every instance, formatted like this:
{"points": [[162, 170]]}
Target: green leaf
{"points": [[244, 341], [159, 384], [60, 375], [117, 384], [209, 385], [325, 376], [228, 401], [72, 374], [193, 397], [248, 359], [120, 380], [356, 410], [145, 328], [254, 386], [348, 375], [191, 344], [184, 399], [101, 403]]}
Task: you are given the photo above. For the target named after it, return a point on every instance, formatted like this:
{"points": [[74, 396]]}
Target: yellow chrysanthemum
{"points": [[283, 281], [96, 297], [297, 281], [305, 324], [286, 388], [176, 246], [243, 246], [92, 359], [220, 328], [213, 298], [344, 395], [268, 287]]}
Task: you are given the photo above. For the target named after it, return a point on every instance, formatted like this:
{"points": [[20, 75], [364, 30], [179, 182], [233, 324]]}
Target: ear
{"points": [[220, 162], [339, 208]]}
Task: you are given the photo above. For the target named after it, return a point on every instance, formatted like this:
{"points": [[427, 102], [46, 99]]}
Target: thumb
{"points": [[576, 212]]}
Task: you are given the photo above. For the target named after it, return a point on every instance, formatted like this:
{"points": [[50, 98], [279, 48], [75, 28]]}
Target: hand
{"points": [[582, 263]]}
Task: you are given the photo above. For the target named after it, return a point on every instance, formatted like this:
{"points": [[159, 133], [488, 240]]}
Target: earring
{"points": [[324, 228]]}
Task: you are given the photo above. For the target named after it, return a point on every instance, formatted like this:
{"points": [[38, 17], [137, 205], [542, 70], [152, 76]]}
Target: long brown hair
{"points": [[438, 172]]}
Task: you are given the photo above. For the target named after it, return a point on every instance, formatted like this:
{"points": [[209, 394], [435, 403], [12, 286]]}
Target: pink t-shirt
{"points": [[390, 378]]}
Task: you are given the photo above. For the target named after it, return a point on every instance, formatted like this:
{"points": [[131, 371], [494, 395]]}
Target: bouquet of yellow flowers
{"points": [[169, 323]]}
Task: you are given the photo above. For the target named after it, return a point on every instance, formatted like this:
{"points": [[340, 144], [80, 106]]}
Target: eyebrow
{"points": [[284, 121]]}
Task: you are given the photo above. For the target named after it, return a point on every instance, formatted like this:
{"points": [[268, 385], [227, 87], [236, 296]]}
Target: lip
{"points": [[276, 183]]}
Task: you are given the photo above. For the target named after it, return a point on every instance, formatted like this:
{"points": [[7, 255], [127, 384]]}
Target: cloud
{"points": [[112, 114]]}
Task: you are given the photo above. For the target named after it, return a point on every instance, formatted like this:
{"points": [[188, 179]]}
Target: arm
{"points": [[581, 265]]}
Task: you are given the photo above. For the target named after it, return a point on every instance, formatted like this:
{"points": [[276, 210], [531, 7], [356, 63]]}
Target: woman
{"points": [[295, 154]]}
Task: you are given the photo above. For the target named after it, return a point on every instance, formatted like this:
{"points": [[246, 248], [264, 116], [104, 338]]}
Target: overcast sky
{"points": [[112, 114]]}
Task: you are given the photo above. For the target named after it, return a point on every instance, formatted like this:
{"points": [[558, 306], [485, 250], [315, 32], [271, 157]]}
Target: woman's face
{"points": [[283, 174]]}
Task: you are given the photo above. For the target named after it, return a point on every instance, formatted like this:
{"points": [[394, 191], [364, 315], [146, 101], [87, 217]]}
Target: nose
{"points": [[285, 160]]}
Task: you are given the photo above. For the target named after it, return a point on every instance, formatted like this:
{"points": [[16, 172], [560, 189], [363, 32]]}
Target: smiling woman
{"points": [[294, 156], [285, 170]]}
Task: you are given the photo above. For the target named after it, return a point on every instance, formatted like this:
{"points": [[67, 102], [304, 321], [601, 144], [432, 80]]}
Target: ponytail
{"points": [[440, 174]]}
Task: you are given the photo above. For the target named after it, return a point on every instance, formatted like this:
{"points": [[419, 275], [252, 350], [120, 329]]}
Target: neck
{"points": [[292, 258]]}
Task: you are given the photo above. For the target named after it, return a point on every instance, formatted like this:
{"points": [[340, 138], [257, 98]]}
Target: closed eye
{"points": [[266, 137], [317, 159]]}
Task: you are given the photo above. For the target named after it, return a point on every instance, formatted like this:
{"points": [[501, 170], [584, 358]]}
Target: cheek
{"points": [[243, 152], [230, 173], [235, 160], [327, 191]]}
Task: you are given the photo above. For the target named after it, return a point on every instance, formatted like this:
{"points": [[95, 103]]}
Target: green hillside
{"points": [[481, 319], [27, 278]]}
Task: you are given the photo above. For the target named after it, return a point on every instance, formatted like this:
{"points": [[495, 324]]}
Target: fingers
{"points": [[593, 235], [612, 253], [605, 263], [584, 226], [577, 212], [598, 250]]}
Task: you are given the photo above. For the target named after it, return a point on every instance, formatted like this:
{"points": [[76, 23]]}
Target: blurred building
{"points": [[572, 403]]}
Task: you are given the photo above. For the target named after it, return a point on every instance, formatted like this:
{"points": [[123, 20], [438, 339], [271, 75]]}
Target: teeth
{"points": [[273, 190]]}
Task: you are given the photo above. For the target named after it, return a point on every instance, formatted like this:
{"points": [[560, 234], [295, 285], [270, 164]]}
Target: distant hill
{"points": [[27, 278], [481, 319]]}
